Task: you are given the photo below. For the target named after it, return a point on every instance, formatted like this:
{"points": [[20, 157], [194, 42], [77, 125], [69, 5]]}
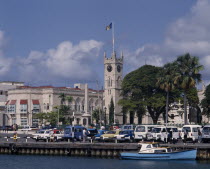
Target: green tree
{"points": [[62, 96], [140, 92], [64, 110], [40, 116], [205, 103], [194, 109], [52, 117], [111, 112], [96, 115], [166, 82], [188, 69]]}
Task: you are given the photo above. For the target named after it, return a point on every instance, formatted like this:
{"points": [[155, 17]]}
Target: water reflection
{"points": [[64, 162]]}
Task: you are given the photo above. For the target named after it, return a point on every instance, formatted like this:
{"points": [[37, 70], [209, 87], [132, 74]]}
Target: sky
{"points": [[62, 42]]}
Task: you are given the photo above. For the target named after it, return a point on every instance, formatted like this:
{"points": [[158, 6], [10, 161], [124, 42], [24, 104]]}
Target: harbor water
{"points": [[66, 162]]}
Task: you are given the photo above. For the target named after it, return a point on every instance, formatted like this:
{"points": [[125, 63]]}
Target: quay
{"points": [[108, 150], [71, 149]]}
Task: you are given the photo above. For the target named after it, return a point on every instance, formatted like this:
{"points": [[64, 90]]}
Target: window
{"points": [[36, 108], [187, 129], [23, 108], [11, 108], [140, 129], [13, 120], [195, 129], [150, 129], [149, 146], [23, 121]]}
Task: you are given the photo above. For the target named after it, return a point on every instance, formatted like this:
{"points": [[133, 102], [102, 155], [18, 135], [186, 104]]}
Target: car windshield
{"points": [[187, 129], [206, 129], [67, 130], [156, 130], [42, 131], [92, 131], [127, 127], [140, 129], [123, 132], [110, 132]]}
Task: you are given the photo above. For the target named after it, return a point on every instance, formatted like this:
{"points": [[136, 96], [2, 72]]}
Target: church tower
{"points": [[113, 71]]}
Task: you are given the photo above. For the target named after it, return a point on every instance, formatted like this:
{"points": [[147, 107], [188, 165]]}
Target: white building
{"points": [[23, 102]]}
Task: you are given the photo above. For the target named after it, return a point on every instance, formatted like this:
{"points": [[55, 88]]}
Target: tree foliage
{"points": [[111, 112], [205, 103], [140, 93], [188, 75], [147, 88]]}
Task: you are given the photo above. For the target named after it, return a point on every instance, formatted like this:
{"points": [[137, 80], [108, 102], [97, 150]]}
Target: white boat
{"points": [[152, 151]]}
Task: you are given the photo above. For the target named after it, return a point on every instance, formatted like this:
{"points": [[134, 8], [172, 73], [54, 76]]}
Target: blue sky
{"points": [[61, 42]]}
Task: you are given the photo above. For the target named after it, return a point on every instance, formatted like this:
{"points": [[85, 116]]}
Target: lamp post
{"points": [[58, 115], [105, 116]]}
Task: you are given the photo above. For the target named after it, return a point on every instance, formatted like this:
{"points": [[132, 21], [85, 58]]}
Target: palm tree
{"points": [[166, 82], [63, 98], [188, 69]]}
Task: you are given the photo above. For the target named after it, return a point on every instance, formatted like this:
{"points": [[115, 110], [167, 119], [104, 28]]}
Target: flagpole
{"points": [[113, 37]]}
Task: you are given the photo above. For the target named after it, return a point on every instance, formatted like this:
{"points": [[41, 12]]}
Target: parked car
{"points": [[26, 128], [73, 132], [7, 128], [205, 134], [91, 133], [97, 137], [143, 132], [125, 135], [192, 131], [109, 135], [41, 135], [163, 133], [56, 135]]}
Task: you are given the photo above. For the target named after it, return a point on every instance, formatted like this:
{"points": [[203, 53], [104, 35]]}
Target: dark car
{"points": [[91, 133], [98, 135], [7, 128]]}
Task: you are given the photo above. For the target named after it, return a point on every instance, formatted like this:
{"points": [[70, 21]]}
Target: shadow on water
{"points": [[66, 162]]}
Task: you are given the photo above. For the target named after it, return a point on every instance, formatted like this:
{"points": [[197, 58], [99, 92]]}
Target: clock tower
{"points": [[113, 71]]}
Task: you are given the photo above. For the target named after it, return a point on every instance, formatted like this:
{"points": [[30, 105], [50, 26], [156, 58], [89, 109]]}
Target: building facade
{"points": [[23, 102]]}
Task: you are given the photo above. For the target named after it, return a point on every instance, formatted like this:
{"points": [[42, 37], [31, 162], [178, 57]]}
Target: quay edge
{"points": [[109, 150]]}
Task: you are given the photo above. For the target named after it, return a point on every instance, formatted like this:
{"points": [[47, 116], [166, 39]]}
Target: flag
{"points": [[109, 27]]}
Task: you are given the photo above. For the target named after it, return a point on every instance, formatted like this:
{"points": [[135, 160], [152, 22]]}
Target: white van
{"points": [[192, 132], [206, 134], [162, 133], [143, 132]]}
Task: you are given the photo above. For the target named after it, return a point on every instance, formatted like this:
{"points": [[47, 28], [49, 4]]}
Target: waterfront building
{"points": [[4, 87], [23, 102]]}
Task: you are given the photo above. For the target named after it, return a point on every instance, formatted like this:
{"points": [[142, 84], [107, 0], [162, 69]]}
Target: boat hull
{"points": [[181, 155]]}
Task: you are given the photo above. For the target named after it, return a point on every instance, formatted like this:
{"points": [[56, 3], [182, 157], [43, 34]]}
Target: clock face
{"points": [[109, 68], [118, 68]]}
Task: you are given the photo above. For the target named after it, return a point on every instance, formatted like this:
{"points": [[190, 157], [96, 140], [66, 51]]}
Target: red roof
{"points": [[13, 102], [23, 101], [35, 101]]}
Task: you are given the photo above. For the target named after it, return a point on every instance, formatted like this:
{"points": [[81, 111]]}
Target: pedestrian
{"points": [[15, 136], [185, 136], [84, 132]]}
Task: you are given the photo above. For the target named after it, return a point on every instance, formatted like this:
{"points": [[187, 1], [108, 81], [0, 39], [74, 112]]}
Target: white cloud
{"points": [[190, 33], [66, 61], [4, 62]]}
